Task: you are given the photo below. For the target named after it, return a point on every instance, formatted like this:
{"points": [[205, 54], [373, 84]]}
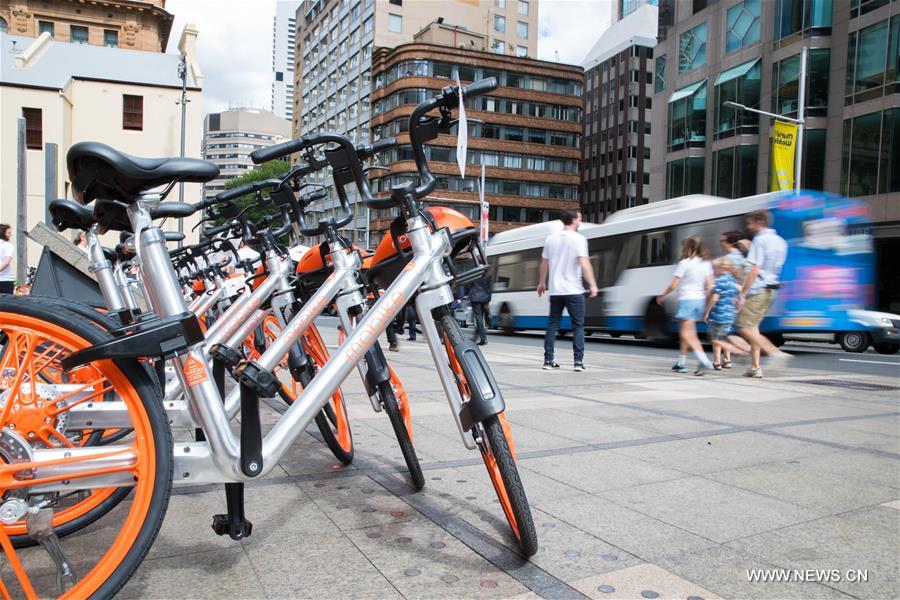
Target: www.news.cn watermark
{"points": [[807, 575]]}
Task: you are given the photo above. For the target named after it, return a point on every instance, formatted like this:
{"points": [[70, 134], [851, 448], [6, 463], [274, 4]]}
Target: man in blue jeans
{"points": [[565, 258]]}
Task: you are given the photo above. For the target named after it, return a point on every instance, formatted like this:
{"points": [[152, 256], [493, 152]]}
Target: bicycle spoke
{"points": [[18, 570]]}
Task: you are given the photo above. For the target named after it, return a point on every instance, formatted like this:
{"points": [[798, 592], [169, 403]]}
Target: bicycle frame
{"points": [[217, 459]]}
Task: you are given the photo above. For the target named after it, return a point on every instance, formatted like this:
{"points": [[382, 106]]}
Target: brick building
{"points": [[528, 136], [130, 24]]}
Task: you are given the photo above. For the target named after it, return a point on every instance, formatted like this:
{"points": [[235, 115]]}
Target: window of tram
{"points": [[518, 271]]}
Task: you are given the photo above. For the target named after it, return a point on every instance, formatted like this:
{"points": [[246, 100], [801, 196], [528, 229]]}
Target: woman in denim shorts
{"points": [[694, 279]]}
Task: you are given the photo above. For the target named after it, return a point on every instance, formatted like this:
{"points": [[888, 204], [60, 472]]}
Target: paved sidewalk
{"points": [[643, 484]]}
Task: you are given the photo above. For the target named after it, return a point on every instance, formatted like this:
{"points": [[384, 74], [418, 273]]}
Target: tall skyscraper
{"points": [[615, 171], [748, 52], [335, 42], [284, 46]]}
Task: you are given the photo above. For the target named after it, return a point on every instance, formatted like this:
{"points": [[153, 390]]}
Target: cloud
{"points": [[234, 47], [571, 28]]}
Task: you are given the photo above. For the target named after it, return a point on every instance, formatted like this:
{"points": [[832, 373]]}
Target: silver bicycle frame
{"points": [[102, 269]]}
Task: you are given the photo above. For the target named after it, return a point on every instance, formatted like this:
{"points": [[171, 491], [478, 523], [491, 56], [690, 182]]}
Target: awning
{"points": [[735, 72], [686, 91]]}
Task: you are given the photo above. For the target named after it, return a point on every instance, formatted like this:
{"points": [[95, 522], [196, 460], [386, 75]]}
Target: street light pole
{"points": [[182, 74], [799, 121]]}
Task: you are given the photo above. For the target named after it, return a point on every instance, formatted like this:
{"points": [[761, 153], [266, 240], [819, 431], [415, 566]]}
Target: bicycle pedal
{"points": [[236, 530]]}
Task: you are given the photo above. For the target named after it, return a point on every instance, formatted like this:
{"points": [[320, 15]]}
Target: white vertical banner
{"points": [[462, 133], [483, 205]]}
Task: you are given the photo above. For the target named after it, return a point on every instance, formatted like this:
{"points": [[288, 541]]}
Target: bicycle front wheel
{"points": [[494, 440], [41, 477], [396, 405]]}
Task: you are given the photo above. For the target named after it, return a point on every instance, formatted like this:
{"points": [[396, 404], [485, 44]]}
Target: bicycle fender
{"points": [[486, 400], [377, 371]]}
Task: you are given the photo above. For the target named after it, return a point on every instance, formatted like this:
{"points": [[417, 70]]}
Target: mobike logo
{"points": [[410, 266], [303, 319], [369, 333]]}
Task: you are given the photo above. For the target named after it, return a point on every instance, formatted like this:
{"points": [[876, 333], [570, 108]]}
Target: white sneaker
{"points": [[754, 373]]}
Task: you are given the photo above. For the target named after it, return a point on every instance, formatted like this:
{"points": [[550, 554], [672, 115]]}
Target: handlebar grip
{"points": [[277, 151], [480, 87], [211, 231], [234, 193], [367, 151]]}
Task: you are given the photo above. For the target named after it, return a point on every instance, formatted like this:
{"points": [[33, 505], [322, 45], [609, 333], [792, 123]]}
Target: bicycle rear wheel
{"points": [[332, 421], [396, 405], [43, 477], [494, 440]]}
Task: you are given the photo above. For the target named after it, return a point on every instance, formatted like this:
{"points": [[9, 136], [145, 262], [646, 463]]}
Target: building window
{"points": [[739, 84], [873, 60], [498, 47], [4, 27], [395, 23], [660, 74], [871, 161], [523, 7], [110, 38], [687, 117], [734, 171], [45, 26], [367, 25], [132, 112], [500, 3], [521, 51], [34, 131], [78, 35], [684, 177], [522, 30], [801, 16], [692, 48], [742, 25], [786, 83], [499, 24]]}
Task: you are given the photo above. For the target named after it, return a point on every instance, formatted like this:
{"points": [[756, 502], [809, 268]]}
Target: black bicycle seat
{"points": [[99, 171], [68, 214]]}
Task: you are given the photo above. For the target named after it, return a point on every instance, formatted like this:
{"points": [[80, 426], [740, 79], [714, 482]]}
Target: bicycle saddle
{"points": [[98, 171], [68, 214]]}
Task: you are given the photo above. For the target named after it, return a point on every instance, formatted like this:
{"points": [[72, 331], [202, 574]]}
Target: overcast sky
{"points": [[235, 42]]}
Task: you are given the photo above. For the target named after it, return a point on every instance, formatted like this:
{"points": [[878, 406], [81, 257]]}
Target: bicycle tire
{"points": [[395, 415], [496, 451], [152, 444], [336, 432]]}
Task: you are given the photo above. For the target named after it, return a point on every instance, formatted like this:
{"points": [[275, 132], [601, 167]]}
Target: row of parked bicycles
{"points": [[90, 397]]}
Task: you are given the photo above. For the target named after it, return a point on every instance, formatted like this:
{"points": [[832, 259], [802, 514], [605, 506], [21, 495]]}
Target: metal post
{"points": [[21, 202], [182, 73], [50, 189], [801, 112]]}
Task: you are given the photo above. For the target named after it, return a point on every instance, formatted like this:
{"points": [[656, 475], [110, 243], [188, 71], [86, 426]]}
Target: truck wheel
{"points": [[853, 341], [886, 348], [505, 321], [777, 339]]}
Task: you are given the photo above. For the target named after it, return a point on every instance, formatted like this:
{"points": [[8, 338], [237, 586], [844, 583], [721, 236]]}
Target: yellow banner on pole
{"points": [[783, 148]]}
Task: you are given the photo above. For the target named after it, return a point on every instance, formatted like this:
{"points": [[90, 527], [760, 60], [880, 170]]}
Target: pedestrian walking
{"points": [[694, 279], [412, 320], [721, 310], [565, 260], [730, 241], [81, 242], [479, 298], [7, 255], [766, 257]]}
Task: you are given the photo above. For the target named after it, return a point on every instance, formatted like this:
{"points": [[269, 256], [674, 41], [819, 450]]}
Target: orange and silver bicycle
{"points": [[90, 362]]}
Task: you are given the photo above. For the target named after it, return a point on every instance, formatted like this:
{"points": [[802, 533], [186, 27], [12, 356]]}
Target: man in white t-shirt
{"points": [[7, 255], [565, 258]]}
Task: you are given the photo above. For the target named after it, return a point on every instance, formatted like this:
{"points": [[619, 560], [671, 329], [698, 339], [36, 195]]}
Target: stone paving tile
{"points": [[423, 561], [878, 470], [356, 502], [601, 470], [812, 485], [710, 509], [640, 582], [840, 433], [628, 530], [225, 573], [865, 539], [716, 453], [574, 427], [724, 571]]}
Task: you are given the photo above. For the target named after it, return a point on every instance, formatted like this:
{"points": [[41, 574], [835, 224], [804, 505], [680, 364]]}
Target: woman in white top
{"points": [[7, 255], [693, 279]]}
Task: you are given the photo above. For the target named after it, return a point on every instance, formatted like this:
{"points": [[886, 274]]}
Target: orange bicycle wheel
{"points": [[494, 439], [34, 477], [333, 421]]}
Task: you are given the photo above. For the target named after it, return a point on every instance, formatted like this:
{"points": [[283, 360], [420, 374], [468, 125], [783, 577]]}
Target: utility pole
{"points": [[21, 202], [182, 74], [799, 121]]}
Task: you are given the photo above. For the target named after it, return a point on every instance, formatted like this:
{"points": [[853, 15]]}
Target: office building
{"points": [[229, 137], [619, 72], [748, 52], [70, 93], [284, 45], [129, 24], [526, 133], [626, 7], [335, 44]]}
